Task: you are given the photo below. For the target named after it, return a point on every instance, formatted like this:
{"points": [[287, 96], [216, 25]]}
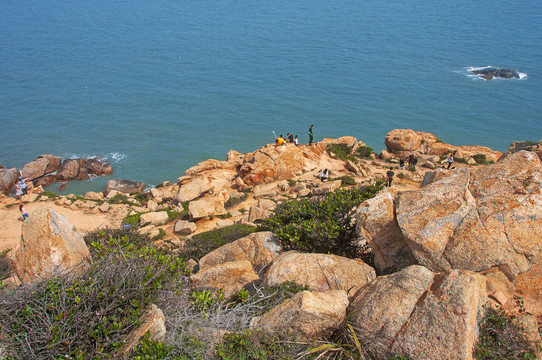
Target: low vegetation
{"points": [[344, 152], [323, 225]]}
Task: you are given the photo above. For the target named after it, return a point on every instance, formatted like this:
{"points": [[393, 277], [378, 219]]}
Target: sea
{"points": [[154, 87]]}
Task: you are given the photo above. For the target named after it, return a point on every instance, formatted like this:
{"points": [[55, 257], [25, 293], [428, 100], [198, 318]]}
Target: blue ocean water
{"points": [[157, 86]]}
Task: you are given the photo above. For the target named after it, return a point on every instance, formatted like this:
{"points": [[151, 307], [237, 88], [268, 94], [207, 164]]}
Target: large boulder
{"points": [[310, 315], [477, 219], [419, 314], [8, 178], [376, 224], [403, 142], [69, 170], [321, 272], [49, 245], [124, 186], [154, 218], [259, 248], [230, 277], [42, 165], [82, 169], [192, 190], [209, 206]]}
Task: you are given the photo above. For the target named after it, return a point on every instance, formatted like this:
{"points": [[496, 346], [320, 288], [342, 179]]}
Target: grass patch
{"points": [[364, 152], [235, 200], [346, 180], [480, 159], [344, 152], [48, 194]]}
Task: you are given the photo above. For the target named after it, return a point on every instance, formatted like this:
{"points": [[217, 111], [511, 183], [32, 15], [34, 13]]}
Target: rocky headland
{"points": [[447, 244]]}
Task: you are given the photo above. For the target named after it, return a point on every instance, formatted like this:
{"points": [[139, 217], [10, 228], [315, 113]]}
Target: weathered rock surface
{"points": [[419, 314], [211, 205], [152, 322], [258, 248], [154, 218], [184, 227], [8, 178], [326, 187], [123, 186], [477, 219], [82, 169], [376, 223], [49, 245], [42, 165], [311, 315], [230, 276], [401, 142], [320, 272]]}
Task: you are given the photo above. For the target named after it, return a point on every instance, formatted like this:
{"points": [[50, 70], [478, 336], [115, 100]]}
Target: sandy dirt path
{"points": [[11, 221]]}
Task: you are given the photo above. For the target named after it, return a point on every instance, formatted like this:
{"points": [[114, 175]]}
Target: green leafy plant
{"points": [[502, 338], [480, 159], [364, 152], [340, 151], [149, 349], [347, 180], [48, 194], [323, 225]]}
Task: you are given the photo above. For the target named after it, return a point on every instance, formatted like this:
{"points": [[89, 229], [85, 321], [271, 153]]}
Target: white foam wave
{"points": [[114, 157]]}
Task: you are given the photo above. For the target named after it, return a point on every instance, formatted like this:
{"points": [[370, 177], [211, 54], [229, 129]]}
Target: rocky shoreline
{"points": [[447, 243]]}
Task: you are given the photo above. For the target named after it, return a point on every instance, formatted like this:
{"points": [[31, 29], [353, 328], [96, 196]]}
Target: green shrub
{"points": [[480, 159], [120, 199], [461, 160], [87, 316], [133, 220], [502, 338], [234, 201], [347, 180], [340, 151], [323, 225], [203, 243], [364, 152], [149, 349]]}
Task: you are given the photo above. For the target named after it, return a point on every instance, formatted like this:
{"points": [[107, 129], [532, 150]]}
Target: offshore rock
{"points": [[477, 218], [49, 245], [491, 73]]}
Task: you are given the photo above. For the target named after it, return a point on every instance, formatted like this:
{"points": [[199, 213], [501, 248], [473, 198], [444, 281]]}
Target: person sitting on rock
{"points": [[324, 175], [290, 138], [280, 140]]}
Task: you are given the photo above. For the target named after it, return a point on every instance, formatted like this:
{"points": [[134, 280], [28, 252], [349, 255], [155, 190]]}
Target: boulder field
{"points": [[469, 238]]}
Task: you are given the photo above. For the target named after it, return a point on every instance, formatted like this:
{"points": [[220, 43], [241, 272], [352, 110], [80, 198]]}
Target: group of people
{"points": [[412, 162], [21, 189], [290, 138]]}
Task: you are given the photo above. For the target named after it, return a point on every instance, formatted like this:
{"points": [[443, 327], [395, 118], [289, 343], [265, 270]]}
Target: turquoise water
{"points": [[156, 87]]}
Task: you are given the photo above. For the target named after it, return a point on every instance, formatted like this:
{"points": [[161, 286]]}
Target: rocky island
{"points": [[420, 268]]}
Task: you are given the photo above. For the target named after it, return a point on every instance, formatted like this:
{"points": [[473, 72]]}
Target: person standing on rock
{"points": [[411, 160], [23, 211], [450, 161], [389, 176], [310, 134]]}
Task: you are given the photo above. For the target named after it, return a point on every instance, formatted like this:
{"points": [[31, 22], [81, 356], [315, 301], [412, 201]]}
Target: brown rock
{"points": [[42, 165], [516, 146], [69, 169], [259, 248], [154, 218], [49, 245], [326, 187], [321, 272], [488, 216], [209, 206], [8, 178], [256, 214], [403, 142], [311, 315], [230, 277], [123, 186], [376, 223], [418, 314], [184, 227]]}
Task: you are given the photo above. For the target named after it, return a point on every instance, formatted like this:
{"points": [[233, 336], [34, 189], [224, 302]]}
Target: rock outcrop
{"points": [[42, 165], [401, 142], [477, 219], [419, 314], [320, 272], [230, 277], [376, 224], [153, 322], [491, 73], [516, 146], [310, 315], [49, 245], [82, 169]]}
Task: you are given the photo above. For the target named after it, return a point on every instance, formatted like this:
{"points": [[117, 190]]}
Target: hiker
{"points": [[310, 134], [296, 141], [324, 175], [402, 163], [23, 211], [389, 176], [411, 160], [22, 185], [450, 161], [280, 140]]}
